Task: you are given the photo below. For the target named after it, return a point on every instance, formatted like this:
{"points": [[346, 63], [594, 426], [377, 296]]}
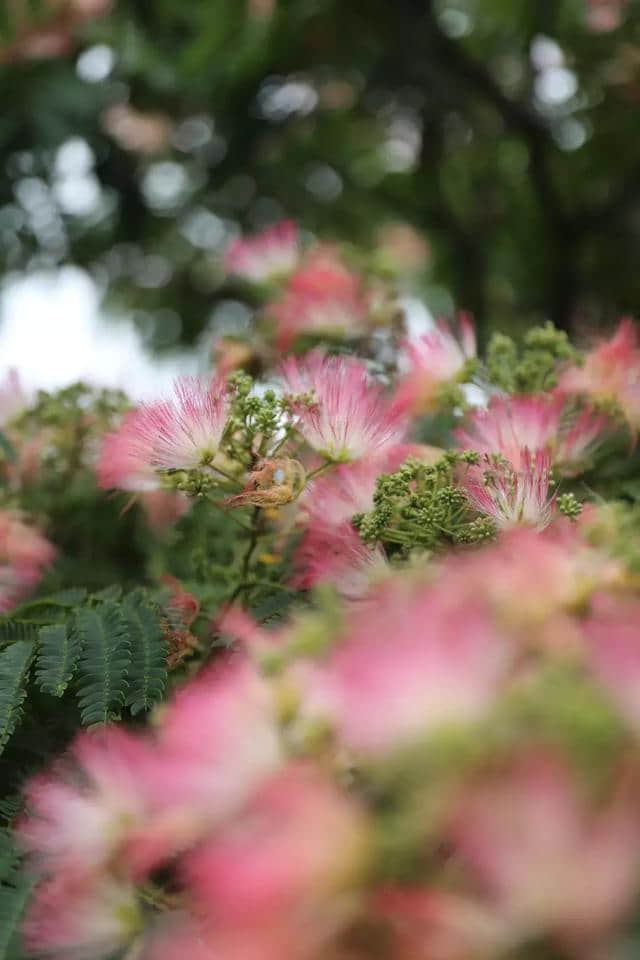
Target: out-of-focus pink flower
{"points": [[141, 132], [348, 416], [534, 422], [72, 916], [323, 297], [544, 860], [435, 359], [79, 815], [429, 924], [512, 496], [512, 424], [268, 255], [163, 508], [271, 884], [534, 581], [330, 549], [181, 433], [183, 606], [412, 660], [605, 15], [24, 555], [12, 398], [613, 635], [218, 741], [338, 556], [578, 441], [611, 372]]}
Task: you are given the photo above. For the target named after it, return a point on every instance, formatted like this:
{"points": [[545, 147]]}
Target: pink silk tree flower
{"points": [[611, 372], [603, 16], [265, 256], [217, 742], [183, 432], [81, 812], [338, 556], [413, 660], [331, 549], [434, 359], [533, 422], [613, 636], [24, 556], [275, 882], [348, 416], [535, 582], [322, 297], [542, 857], [80, 918], [512, 496], [431, 924]]}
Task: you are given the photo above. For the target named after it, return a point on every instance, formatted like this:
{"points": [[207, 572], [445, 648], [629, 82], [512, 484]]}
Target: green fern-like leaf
{"points": [[13, 630], [15, 662], [148, 670], [104, 663], [15, 889], [59, 649]]}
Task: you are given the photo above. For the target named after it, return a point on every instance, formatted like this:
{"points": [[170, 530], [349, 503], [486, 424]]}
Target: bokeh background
{"points": [[485, 154]]}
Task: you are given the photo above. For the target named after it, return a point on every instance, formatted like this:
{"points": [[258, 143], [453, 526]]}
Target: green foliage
{"points": [[104, 651], [421, 506], [532, 369], [147, 675], [15, 661], [59, 649], [15, 888]]}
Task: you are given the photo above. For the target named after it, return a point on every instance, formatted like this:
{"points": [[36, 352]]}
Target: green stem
{"points": [[319, 470]]}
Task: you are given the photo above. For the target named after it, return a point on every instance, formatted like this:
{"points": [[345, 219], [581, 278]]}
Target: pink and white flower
{"points": [[348, 415], [331, 550], [24, 556], [323, 297], [412, 661], [183, 432], [533, 422], [613, 636], [435, 359], [611, 372], [265, 256], [543, 859], [72, 917], [512, 496], [80, 814]]}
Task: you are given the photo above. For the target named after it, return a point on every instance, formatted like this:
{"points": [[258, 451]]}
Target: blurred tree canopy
{"points": [[488, 150]]}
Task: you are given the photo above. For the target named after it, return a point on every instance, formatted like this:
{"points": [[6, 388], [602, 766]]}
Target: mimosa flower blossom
{"points": [[24, 556], [611, 372], [434, 359], [347, 415], [265, 256], [413, 661], [323, 297], [183, 432], [512, 496], [533, 422], [543, 859]]}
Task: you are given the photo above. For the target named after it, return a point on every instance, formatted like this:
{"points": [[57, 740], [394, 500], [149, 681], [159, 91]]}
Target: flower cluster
{"points": [[386, 641]]}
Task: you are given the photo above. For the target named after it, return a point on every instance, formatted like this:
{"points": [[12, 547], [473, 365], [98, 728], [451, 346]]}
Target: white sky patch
{"points": [[52, 332]]}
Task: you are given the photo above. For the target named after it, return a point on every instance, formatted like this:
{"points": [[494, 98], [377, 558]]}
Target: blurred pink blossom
{"points": [[265, 256], [611, 372], [434, 359], [322, 297]]}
